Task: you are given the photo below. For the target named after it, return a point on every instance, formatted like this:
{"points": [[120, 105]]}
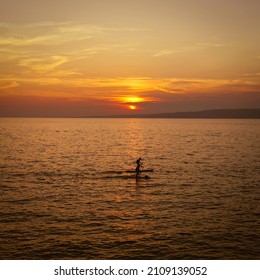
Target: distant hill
{"points": [[207, 114], [215, 114]]}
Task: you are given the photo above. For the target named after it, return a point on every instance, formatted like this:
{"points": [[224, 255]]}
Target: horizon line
{"points": [[234, 113]]}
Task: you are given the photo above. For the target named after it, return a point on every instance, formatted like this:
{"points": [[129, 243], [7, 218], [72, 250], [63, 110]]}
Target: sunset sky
{"points": [[69, 58]]}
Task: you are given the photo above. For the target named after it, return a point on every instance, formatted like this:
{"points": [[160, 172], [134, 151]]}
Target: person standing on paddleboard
{"points": [[138, 169]]}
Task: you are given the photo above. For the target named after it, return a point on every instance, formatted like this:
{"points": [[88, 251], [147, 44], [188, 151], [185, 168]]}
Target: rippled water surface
{"points": [[65, 193]]}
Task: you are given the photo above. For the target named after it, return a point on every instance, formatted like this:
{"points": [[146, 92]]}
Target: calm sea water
{"points": [[65, 193]]}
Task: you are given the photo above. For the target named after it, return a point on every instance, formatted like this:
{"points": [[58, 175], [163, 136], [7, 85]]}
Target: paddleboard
{"points": [[142, 170]]}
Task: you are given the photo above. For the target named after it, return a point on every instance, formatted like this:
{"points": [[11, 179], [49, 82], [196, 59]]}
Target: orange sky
{"points": [[80, 58]]}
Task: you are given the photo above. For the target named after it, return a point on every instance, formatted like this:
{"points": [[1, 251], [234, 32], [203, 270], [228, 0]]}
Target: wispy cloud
{"points": [[46, 33], [214, 45], [52, 33], [49, 46], [8, 84], [165, 52], [42, 65], [192, 47], [118, 87]]}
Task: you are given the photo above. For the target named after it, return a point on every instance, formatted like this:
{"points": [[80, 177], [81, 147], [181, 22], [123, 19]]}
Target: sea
{"points": [[65, 192]]}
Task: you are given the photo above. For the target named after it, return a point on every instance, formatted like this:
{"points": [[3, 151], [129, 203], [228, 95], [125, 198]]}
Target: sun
{"points": [[132, 107]]}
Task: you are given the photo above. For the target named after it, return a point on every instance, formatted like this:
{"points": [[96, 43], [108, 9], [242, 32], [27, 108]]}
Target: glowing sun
{"points": [[132, 107]]}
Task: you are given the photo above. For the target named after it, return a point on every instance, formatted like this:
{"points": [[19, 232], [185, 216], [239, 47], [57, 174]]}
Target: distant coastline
{"points": [[205, 114]]}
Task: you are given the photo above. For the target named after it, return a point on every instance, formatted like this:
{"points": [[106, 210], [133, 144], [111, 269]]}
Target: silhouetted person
{"points": [[138, 169]]}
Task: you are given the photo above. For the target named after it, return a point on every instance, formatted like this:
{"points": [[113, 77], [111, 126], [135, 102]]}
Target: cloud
{"points": [[192, 47], [165, 52], [52, 33], [45, 64], [28, 50], [46, 33], [32, 45], [8, 85], [214, 45], [117, 88]]}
